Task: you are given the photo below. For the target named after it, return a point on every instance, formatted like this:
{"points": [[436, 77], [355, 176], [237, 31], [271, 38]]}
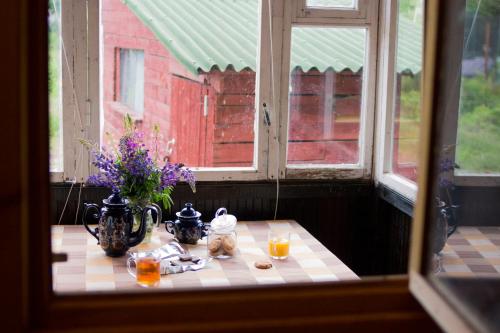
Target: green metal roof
{"points": [[207, 34]]}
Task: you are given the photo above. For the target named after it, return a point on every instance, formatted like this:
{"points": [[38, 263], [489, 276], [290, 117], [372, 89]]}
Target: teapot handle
{"points": [[96, 216], [138, 236], [169, 226], [157, 221]]}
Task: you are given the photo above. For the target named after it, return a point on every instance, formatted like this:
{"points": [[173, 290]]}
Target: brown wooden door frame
{"points": [[28, 301]]}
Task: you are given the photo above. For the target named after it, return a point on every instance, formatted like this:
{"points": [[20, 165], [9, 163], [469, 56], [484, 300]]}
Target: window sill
{"points": [[395, 198], [402, 186]]}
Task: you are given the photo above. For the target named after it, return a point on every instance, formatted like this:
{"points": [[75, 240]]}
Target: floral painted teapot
{"points": [[114, 231]]}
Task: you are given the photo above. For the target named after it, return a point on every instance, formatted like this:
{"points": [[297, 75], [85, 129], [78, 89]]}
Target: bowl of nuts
{"points": [[222, 236]]}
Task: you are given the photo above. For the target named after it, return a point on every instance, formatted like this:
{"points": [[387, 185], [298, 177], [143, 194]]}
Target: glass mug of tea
{"points": [[147, 268]]}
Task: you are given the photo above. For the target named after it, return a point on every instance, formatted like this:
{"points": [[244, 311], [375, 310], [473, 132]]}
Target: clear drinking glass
{"points": [[147, 268], [279, 244]]}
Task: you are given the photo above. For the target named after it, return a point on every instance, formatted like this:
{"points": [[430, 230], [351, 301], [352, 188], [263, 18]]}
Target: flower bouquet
{"points": [[131, 171]]}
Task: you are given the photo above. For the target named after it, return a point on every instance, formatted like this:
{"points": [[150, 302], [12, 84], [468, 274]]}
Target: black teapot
{"points": [[188, 228], [114, 231]]}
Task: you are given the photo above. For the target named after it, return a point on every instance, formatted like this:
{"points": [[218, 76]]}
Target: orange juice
{"points": [[279, 247]]}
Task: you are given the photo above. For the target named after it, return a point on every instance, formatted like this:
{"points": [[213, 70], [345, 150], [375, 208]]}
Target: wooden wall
{"points": [[362, 228], [478, 205], [394, 217]]}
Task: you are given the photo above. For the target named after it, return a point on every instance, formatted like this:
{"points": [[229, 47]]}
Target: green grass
{"points": [[54, 97], [478, 136], [478, 148]]}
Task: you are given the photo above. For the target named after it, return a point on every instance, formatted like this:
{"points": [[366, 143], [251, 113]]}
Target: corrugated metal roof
{"points": [[207, 34]]}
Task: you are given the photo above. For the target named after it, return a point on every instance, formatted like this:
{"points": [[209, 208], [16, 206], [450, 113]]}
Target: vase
{"points": [[137, 208]]}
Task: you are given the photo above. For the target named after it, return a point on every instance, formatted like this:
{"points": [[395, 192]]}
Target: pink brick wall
{"points": [[122, 29]]}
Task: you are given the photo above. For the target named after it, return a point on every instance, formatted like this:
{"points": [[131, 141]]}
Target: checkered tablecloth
{"points": [[88, 268], [472, 251]]}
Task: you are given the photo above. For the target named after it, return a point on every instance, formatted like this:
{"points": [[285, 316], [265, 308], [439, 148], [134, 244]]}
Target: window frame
{"points": [[362, 170], [80, 65], [342, 306], [435, 301], [359, 11], [386, 89], [118, 84], [87, 68], [269, 156]]}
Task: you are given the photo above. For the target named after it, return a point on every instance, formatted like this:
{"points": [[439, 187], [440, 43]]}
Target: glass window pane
{"points": [[199, 62], [55, 97], [479, 119], [132, 79], [406, 121], [331, 3], [463, 243], [325, 95]]}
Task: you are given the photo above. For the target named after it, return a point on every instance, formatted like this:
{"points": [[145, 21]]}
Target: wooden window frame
{"points": [[80, 66], [386, 89], [359, 11], [361, 170], [33, 307], [269, 156], [441, 305]]}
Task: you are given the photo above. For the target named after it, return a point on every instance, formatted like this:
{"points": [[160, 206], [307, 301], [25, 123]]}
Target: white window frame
{"points": [[361, 170], [80, 99], [269, 156], [121, 82], [385, 113], [359, 11], [386, 89]]}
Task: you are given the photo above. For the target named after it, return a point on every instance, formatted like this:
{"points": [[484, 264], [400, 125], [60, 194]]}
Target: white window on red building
{"points": [[130, 79]]}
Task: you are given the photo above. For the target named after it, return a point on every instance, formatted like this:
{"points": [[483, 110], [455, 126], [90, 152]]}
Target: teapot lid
{"points": [[188, 212], [115, 200]]}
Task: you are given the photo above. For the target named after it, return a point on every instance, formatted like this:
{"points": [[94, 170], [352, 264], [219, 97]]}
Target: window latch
{"points": [[267, 117]]}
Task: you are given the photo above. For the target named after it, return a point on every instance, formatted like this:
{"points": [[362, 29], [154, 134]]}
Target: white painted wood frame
{"points": [[358, 11], [331, 171], [82, 48], [80, 96], [386, 89], [263, 95]]}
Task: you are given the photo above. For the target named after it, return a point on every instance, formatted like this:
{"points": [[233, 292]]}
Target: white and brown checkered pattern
{"points": [[472, 251], [89, 269]]}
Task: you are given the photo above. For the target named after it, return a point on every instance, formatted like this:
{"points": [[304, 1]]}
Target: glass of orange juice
{"points": [[279, 244]]}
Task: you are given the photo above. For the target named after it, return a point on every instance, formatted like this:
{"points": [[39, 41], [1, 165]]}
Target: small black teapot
{"points": [[188, 228], [114, 231]]}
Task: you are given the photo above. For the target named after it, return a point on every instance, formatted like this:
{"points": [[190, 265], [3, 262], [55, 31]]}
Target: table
{"points": [[89, 269], [472, 251]]}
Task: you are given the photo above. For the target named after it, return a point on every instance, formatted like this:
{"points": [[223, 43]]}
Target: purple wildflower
{"points": [[446, 165], [173, 173], [135, 174]]}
